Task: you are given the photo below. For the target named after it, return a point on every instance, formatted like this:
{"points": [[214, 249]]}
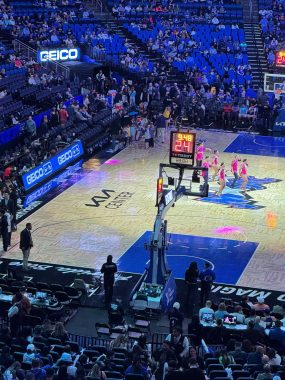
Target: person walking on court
{"points": [[191, 280], [207, 277], [109, 269], [26, 243]]}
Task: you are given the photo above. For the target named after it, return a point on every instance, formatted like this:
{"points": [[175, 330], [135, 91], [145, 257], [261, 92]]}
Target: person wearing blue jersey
{"points": [[207, 277]]}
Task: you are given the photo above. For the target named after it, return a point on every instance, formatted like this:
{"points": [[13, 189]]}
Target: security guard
{"points": [[109, 269]]}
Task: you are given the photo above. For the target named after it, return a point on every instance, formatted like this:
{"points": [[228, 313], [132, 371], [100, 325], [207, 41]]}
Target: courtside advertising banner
{"points": [[52, 165]]}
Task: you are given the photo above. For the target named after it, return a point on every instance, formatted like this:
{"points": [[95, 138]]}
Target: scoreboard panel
{"points": [[182, 148]]}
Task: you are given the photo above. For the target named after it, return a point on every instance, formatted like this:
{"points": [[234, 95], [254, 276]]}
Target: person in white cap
{"points": [[30, 354], [260, 305], [175, 316]]}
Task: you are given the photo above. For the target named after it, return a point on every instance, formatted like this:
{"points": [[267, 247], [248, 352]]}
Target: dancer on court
{"points": [[200, 154], [222, 179], [201, 149], [243, 174], [214, 164], [234, 169]]}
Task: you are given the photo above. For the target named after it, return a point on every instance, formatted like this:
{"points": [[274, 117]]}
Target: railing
{"points": [[91, 341], [29, 52], [98, 4], [157, 340]]}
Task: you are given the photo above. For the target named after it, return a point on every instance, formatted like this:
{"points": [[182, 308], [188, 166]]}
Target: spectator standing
{"points": [[161, 127], [63, 116], [26, 243], [30, 127], [7, 203], [45, 124], [207, 277], [54, 119], [9, 220], [132, 95], [109, 269], [4, 230], [191, 280]]}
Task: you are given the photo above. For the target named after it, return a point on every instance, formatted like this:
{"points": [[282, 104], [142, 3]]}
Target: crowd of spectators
{"points": [[272, 23], [202, 350], [209, 11]]}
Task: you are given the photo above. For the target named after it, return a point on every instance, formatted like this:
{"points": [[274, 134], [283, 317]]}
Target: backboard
{"points": [[177, 181], [274, 83]]}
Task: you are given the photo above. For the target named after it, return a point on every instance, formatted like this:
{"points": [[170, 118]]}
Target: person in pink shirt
{"points": [[222, 179], [200, 154], [260, 305], [234, 169], [215, 164], [243, 174]]}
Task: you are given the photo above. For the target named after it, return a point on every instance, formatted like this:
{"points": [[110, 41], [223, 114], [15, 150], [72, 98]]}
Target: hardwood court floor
{"points": [[69, 231]]}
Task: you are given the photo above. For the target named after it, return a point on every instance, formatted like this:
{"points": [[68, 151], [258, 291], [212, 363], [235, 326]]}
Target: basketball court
{"points": [[111, 210]]}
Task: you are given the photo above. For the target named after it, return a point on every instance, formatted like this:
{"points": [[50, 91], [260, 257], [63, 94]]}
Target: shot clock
{"points": [[182, 148], [280, 58]]}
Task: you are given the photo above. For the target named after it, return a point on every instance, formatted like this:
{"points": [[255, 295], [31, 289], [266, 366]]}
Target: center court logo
{"points": [[41, 172], [239, 200], [69, 155], [117, 202]]}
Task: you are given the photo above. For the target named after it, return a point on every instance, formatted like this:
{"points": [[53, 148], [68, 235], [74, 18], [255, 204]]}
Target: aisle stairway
{"points": [[256, 55], [252, 31], [107, 19]]}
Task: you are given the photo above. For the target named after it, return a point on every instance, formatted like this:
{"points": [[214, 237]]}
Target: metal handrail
{"points": [[32, 53]]}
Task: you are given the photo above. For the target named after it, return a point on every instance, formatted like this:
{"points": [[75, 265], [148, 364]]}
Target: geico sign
{"points": [[58, 55], [43, 171], [66, 156]]}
